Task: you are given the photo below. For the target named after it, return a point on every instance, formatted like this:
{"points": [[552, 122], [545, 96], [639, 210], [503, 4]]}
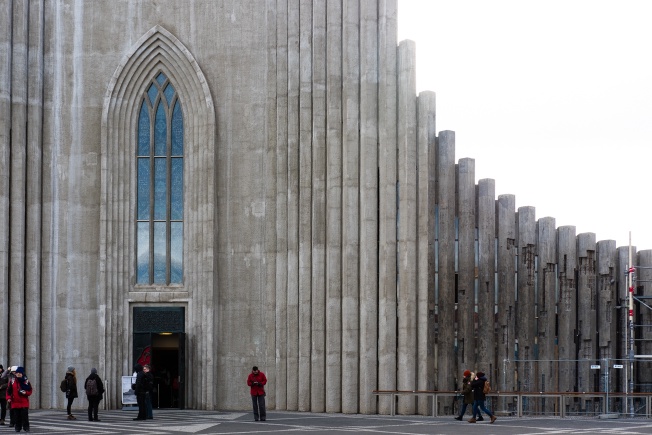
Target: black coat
{"points": [[72, 385], [477, 386], [98, 381]]}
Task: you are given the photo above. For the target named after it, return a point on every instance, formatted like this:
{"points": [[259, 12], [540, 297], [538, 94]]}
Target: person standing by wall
{"points": [[94, 390], [71, 390], [467, 393], [149, 387], [4, 381], [18, 391], [140, 390], [257, 380], [479, 397]]}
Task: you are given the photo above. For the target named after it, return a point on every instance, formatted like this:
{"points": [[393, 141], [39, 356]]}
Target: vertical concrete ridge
{"points": [[388, 206], [407, 225], [466, 269], [369, 137], [445, 285], [334, 224], [424, 192], [506, 312], [486, 338], [350, 206], [282, 123], [305, 115]]}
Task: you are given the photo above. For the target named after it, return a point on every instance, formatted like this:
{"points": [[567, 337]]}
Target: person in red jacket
{"points": [[257, 380], [18, 391]]}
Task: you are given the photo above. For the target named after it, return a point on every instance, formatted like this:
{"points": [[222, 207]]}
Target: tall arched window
{"points": [[160, 186]]}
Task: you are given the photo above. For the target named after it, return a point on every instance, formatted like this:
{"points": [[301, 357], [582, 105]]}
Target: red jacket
{"points": [[257, 383], [18, 400]]}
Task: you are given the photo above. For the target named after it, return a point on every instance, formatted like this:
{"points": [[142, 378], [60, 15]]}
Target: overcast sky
{"points": [[553, 100]]}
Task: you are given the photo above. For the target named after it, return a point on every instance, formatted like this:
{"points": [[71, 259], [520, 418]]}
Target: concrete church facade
{"points": [[213, 185]]}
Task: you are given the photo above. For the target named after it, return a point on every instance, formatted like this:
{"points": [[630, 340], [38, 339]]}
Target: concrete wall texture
{"points": [[330, 237]]}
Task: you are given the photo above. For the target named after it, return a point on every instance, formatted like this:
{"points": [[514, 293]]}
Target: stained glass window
{"points": [[159, 171]]}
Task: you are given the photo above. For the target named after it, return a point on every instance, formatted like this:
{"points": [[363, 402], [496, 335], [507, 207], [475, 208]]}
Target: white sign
{"points": [[618, 366], [128, 394], [595, 366]]}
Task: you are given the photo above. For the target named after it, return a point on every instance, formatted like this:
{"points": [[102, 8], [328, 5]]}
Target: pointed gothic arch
{"points": [[157, 51]]}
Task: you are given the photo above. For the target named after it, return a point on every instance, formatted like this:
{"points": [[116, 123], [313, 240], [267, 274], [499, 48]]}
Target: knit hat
{"points": [[71, 368], [20, 370], [93, 371], [467, 373], [480, 374]]}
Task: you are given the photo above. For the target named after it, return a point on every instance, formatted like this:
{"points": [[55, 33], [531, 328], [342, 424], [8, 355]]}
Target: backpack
{"points": [[64, 385], [487, 388], [91, 387]]}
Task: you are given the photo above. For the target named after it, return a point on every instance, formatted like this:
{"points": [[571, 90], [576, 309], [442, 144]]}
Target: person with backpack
{"points": [[94, 390], [71, 389], [479, 396]]}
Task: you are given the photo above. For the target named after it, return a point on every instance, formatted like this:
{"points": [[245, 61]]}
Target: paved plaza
{"points": [[173, 421]]}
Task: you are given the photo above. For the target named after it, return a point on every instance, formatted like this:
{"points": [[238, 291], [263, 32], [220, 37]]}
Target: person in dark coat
{"points": [[467, 393], [149, 386], [71, 390], [140, 389], [477, 385], [93, 399], [257, 380], [4, 380]]}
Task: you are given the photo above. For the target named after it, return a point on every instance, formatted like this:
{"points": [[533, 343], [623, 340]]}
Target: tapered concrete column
{"points": [[333, 375], [486, 343], [369, 205], [6, 16], [36, 350], [586, 312], [293, 209], [318, 210], [606, 308], [282, 207], [407, 225], [445, 290], [547, 375], [644, 289], [387, 170], [466, 270], [506, 312], [623, 263], [305, 200], [425, 235], [525, 302], [350, 207], [566, 306], [18, 171]]}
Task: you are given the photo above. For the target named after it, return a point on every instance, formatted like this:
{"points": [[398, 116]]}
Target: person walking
{"points": [[477, 385], [71, 390], [467, 393], [149, 387], [18, 391], [140, 390], [94, 390], [257, 380], [4, 381]]}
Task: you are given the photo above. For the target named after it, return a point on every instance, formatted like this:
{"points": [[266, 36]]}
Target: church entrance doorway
{"points": [[159, 340]]}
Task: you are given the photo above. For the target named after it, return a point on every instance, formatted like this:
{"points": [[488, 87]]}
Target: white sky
{"points": [[553, 100]]}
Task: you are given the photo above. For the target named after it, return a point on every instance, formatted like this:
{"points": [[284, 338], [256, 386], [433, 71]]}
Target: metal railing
{"points": [[519, 403]]}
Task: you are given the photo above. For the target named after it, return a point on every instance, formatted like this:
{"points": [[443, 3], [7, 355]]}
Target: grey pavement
{"points": [[174, 421]]}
